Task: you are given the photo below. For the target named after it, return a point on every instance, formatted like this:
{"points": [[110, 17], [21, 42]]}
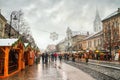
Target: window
{"points": [[0, 26], [89, 44], [0, 29], [115, 24], [98, 41], [95, 43]]}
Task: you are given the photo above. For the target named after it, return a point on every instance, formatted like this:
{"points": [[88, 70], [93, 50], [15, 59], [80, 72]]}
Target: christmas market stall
{"points": [[10, 57], [28, 54], [20, 46]]}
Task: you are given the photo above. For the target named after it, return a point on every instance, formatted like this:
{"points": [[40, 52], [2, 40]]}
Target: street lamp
{"points": [[15, 15], [12, 17]]}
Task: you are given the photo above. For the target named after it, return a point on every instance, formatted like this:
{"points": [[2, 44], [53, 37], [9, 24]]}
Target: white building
{"points": [[97, 23]]}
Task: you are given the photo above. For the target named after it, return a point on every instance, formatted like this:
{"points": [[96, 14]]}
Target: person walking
{"points": [[60, 57], [43, 57], [73, 57], [86, 57], [52, 57], [55, 56], [46, 58]]}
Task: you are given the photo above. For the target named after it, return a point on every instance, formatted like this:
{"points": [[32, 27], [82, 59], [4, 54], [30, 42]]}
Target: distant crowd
{"points": [[46, 57]]}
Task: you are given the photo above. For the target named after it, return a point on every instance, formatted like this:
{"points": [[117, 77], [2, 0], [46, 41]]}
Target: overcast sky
{"points": [[57, 15]]}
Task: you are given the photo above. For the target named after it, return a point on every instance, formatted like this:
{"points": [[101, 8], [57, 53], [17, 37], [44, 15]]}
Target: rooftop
{"points": [[94, 35], [112, 14], [1, 16]]}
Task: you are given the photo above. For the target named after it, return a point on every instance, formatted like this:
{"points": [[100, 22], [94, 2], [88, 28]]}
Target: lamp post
{"points": [[15, 15], [12, 17]]}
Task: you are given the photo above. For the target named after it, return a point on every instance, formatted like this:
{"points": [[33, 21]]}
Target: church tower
{"points": [[69, 33], [97, 23]]}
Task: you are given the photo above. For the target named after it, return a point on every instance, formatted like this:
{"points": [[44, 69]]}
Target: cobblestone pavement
{"points": [[52, 71], [109, 63], [98, 72]]}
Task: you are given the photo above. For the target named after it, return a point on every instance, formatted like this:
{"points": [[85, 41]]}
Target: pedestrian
{"points": [[49, 57], [55, 56], [86, 57], [60, 57], [67, 56], [73, 57], [43, 57], [46, 58], [52, 57]]}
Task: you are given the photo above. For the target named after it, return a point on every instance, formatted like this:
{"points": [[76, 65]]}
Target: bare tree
{"points": [[19, 23], [21, 26]]}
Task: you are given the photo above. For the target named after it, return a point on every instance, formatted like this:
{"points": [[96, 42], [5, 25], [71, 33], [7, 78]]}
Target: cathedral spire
{"points": [[69, 33], [97, 22]]}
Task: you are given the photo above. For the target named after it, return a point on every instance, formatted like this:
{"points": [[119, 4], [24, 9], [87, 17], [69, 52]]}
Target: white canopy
{"points": [[7, 42]]}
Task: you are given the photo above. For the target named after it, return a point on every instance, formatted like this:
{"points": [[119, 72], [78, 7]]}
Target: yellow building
{"points": [[75, 40], [14, 33], [92, 42], [3, 21]]}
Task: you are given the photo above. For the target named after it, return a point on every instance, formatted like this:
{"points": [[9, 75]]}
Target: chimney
{"points": [[119, 10]]}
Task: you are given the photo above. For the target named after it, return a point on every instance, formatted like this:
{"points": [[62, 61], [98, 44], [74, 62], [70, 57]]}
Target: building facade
{"points": [[92, 42], [3, 21], [111, 31], [75, 40], [62, 46], [13, 32]]}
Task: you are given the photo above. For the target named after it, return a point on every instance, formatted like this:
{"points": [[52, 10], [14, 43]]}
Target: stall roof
{"points": [[7, 42]]}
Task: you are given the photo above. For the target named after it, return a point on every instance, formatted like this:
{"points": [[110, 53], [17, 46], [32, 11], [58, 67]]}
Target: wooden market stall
{"points": [[10, 57], [28, 54], [20, 45]]}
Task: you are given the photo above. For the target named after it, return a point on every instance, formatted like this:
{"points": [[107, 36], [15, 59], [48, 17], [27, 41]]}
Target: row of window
{"points": [[115, 25], [1, 28], [96, 42], [112, 31]]}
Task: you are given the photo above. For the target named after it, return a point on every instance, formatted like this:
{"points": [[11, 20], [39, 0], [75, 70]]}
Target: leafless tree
{"points": [[19, 24]]}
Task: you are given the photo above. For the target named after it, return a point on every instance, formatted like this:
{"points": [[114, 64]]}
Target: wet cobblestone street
{"points": [[52, 71]]}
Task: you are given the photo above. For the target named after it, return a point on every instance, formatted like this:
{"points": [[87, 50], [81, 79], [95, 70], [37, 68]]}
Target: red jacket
{"points": [[55, 54]]}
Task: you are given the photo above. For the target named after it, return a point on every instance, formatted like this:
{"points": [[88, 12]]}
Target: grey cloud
{"points": [[57, 15]]}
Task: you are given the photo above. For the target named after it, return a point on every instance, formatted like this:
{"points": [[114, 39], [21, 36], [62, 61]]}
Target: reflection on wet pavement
{"points": [[50, 71], [38, 72]]}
